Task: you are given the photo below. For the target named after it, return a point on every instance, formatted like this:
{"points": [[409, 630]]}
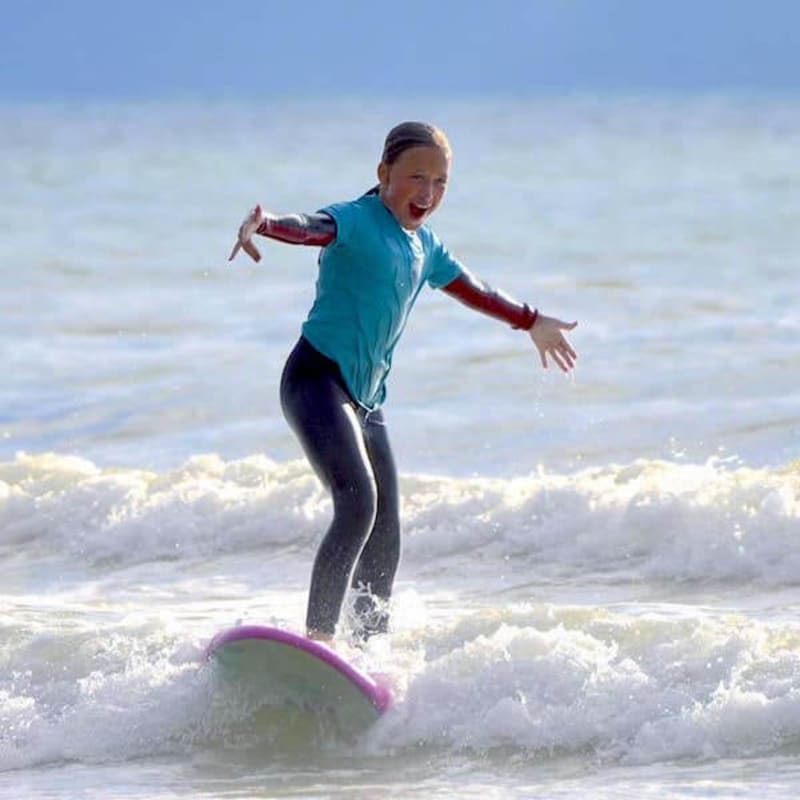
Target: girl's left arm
{"points": [[546, 332]]}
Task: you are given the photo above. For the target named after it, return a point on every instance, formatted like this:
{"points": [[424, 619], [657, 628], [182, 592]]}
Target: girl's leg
{"points": [[374, 574], [321, 413]]}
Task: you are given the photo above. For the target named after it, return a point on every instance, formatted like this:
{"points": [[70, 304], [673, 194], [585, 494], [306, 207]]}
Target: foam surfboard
{"points": [[287, 670]]}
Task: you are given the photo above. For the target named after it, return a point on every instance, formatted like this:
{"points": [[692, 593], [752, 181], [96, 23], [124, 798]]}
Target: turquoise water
{"points": [[599, 587]]}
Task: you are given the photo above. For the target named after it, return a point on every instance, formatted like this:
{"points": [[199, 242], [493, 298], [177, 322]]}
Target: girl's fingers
{"points": [[246, 231], [561, 353], [556, 356], [551, 342], [568, 353], [251, 250], [565, 347]]}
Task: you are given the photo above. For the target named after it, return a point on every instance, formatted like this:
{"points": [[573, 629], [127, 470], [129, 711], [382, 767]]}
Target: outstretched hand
{"points": [[550, 341], [244, 238]]}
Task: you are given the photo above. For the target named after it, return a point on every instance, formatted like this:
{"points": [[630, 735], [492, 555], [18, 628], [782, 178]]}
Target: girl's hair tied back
{"points": [[412, 134]]}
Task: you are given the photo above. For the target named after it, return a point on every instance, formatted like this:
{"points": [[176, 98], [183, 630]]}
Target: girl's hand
{"points": [[547, 336], [244, 238]]}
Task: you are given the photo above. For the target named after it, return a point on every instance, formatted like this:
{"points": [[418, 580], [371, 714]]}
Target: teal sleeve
{"points": [[342, 214], [444, 267]]}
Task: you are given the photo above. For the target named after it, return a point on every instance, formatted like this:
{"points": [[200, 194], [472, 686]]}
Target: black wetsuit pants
{"points": [[349, 450]]}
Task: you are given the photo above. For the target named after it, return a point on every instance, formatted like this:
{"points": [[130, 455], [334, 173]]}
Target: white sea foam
{"points": [[655, 519], [640, 684], [544, 680], [96, 695], [557, 681]]}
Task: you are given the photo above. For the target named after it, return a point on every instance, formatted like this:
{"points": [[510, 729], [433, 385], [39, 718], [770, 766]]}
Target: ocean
{"points": [[599, 593]]}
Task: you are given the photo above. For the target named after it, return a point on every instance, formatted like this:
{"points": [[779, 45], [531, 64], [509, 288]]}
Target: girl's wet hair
{"points": [[412, 134], [407, 135]]}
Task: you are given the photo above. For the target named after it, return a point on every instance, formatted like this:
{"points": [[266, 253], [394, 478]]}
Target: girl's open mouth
{"points": [[417, 212]]}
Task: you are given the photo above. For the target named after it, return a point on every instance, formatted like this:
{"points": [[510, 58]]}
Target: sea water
{"points": [[600, 582]]}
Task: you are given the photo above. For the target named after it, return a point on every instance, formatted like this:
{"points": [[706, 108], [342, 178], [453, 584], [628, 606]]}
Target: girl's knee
{"points": [[356, 505]]}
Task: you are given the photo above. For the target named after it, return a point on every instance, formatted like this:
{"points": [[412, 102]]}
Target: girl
{"points": [[377, 253]]}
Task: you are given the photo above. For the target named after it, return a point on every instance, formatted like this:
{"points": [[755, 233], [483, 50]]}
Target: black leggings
{"points": [[349, 450]]}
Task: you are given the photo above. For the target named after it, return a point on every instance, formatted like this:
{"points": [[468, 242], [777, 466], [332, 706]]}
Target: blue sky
{"points": [[75, 49]]}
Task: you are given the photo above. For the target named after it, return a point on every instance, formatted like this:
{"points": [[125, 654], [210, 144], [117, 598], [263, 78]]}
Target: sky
{"points": [[88, 49]]}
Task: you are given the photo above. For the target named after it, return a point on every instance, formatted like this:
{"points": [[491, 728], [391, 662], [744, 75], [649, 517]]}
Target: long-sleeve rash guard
{"points": [[319, 230]]}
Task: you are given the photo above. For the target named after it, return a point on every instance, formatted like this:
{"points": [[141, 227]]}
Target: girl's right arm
{"points": [[316, 230]]}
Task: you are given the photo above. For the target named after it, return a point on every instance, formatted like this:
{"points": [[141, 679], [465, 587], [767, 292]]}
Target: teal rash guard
{"points": [[369, 279]]}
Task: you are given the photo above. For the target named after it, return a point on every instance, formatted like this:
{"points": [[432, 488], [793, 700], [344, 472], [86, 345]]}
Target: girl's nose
{"points": [[427, 191]]}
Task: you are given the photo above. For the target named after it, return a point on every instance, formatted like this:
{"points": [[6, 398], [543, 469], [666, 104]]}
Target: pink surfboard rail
{"points": [[379, 695]]}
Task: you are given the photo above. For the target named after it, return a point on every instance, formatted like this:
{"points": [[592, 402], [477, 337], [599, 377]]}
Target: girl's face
{"points": [[413, 186]]}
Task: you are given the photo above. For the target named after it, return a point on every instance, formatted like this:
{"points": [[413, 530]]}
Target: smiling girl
{"points": [[377, 254]]}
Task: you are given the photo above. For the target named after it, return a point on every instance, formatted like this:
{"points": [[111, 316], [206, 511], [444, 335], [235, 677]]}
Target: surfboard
{"points": [[287, 671]]}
